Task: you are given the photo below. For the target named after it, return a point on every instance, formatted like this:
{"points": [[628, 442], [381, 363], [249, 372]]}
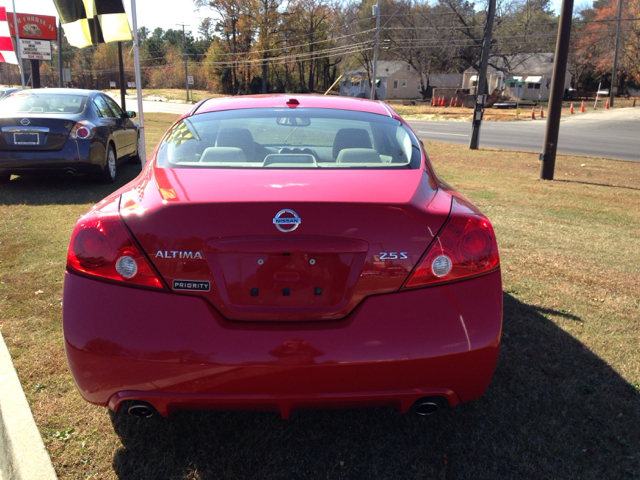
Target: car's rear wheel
{"points": [[136, 158], [139, 151], [4, 178], [108, 174]]}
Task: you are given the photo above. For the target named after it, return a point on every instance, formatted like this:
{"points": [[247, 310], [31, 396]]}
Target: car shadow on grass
{"points": [[553, 410], [60, 190]]}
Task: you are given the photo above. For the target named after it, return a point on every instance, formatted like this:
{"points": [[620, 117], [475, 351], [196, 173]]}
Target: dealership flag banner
{"points": [[6, 47], [89, 22]]}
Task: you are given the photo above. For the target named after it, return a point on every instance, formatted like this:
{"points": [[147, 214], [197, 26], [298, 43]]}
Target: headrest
{"points": [[350, 138], [238, 138], [39, 105]]}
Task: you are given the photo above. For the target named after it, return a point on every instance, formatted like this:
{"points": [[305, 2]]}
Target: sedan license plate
{"points": [[26, 139]]}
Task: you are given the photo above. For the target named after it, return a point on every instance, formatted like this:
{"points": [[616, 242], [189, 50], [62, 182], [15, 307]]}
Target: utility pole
{"points": [[59, 54], [614, 87], [184, 54], [478, 107], [552, 131], [136, 59], [376, 12], [123, 89], [35, 73], [18, 46], [234, 19]]}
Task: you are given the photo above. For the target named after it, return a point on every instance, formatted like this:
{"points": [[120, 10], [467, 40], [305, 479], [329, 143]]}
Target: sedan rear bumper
{"points": [[175, 351], [77, 156]]}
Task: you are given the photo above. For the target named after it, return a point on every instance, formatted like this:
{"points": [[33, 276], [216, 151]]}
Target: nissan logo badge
{"points": [[286, 220]]}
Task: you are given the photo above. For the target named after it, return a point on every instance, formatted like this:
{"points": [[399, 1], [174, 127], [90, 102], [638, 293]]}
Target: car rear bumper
{"points": [[176, 351], [77, 157]]}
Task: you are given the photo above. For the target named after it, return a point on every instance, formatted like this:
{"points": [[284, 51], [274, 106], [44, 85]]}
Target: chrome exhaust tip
{"points": [[70, 172], [141, 410], [427, 408]]}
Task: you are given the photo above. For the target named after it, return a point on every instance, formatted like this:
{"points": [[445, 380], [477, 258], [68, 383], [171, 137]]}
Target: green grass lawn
{"points": [[564, 401]]}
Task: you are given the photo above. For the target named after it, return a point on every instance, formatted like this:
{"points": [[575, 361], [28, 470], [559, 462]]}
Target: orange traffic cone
{"points": [[451, 102], [433, 101], [442, 101], [533, 113], [541, 112], [606, 105], [582, 107], [571, 109]]}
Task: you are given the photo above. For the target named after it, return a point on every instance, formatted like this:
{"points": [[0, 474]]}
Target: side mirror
{"points": [[131, 114]]}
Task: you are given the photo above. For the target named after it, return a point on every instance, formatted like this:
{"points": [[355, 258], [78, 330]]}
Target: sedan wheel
{"points": [[137, 157], [108, 175], [140, 150]]}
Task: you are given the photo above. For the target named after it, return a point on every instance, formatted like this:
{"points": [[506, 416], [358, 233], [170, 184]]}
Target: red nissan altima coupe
{"points": [[283, 253]]}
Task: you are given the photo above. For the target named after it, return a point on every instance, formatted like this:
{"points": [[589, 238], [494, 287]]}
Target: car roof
{"points": [[304, 101]]}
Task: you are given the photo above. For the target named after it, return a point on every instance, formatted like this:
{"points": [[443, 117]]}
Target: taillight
{"points": [[101, 246], [466, 246], [82, 130]]}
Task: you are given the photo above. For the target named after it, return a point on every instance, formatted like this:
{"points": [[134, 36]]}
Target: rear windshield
{"points": [[288, 138], [52, 103]]}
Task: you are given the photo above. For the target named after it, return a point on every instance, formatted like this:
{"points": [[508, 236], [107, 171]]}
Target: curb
{"points": [[22, 452]]}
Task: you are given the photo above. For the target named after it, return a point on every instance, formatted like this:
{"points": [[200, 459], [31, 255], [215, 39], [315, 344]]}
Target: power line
{"points": [[278, 60], [413, 43]]}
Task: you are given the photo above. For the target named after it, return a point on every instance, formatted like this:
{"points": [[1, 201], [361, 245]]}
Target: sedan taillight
{"points": [[101, 246], [465, 247], [82, 130]]}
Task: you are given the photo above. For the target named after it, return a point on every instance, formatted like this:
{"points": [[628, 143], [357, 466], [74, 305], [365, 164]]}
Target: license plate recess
{"points": [[286, 279], [26, 138]]}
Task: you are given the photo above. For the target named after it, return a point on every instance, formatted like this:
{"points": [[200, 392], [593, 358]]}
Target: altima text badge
{"points": [[286, 220]]}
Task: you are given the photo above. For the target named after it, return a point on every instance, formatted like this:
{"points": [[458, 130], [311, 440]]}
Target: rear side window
{"points": [[101, 107], [115, 108], [278, 138]]}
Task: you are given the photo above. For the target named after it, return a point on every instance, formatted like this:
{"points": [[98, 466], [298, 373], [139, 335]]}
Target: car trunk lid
{"points": [[350, 234], [34, 132]]}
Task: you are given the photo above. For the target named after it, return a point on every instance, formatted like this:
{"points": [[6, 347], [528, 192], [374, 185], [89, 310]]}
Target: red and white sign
{"points": [[38, 27], [6, 47]]}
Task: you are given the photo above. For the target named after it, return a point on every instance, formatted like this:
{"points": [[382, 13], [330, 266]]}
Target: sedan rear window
{"points": [[47, 103], [288, 138]]}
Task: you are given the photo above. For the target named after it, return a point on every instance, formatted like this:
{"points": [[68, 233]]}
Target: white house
{"points": [[395, 80], [534, 69]]}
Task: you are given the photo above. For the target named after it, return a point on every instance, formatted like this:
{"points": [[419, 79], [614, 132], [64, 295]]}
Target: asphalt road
{"points": [[159, 107], [607, 134]]}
